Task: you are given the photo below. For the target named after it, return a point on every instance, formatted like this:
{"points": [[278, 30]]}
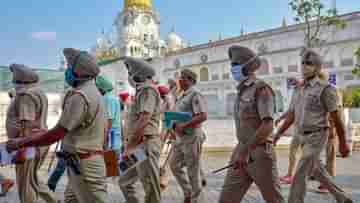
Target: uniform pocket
{"points": [[312, 103], [247, 108]]}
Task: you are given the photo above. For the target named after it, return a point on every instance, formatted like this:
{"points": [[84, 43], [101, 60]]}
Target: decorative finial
{"points": [[284, 23], [173, 28], [242, 32], [220, 36]]}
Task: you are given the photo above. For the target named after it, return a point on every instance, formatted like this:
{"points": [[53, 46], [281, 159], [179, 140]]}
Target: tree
{"points": [[315, 17], [356, 70]]}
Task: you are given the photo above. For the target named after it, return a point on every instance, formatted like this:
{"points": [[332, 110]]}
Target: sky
{"points": [[34, 32]]}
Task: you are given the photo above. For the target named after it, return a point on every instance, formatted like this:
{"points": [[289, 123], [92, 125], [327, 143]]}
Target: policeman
{"points": [[143, 131], [81, 126], [187, 147], [27, 111], [295, 145], [254, 158], [319, 101]]}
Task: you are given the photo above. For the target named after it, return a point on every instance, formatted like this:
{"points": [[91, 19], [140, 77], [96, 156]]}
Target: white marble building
{"points": [[279, 49], [138, 36]]}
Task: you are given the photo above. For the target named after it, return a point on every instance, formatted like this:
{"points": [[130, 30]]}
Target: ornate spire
{"points": [[139, 4], [242, 31], [284, 23]]}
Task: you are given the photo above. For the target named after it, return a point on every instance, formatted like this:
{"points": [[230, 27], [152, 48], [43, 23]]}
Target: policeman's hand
{"points": [[276, 139], [241, 163], [14, 144], [277, 121], [179, 128], [38, 131], [344, 149]]}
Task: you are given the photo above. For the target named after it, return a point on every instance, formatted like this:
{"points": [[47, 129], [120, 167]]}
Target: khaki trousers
{"points": [[186, 155], [310, 164], [30, 188], [331, 157], [149, 174], [295, 148], [90, 185], [261, 169]]}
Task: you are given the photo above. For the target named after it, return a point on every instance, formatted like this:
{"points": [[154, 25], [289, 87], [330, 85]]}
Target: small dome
{"points": [[174, 41], [162, 43], [101, 43]]}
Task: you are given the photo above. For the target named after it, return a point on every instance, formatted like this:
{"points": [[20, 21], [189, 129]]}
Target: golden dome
{"points": [[140, 4]]}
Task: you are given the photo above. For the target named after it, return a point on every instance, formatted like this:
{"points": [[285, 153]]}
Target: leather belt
{"points": [[89, 154], [315, 131]]}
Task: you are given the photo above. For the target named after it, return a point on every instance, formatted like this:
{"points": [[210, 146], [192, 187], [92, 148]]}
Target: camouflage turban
{"points": [[241, 55], [83, 63], [139, 68], [23, 74], [190, 74]]}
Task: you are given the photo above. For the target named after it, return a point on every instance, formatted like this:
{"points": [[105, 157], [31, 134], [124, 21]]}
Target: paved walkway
{"points": [[348, 177]]}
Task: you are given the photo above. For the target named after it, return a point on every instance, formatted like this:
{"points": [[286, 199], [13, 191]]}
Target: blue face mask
{"points": [[70, 77], [237, 70]]}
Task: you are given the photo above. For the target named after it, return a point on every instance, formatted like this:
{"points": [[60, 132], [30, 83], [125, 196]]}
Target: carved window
{"points": [[204, 74], [349, 77], [347, 62], [293, 68], [226, 76], [329, 64], [204, 58], [215, 77], [277, 70]]}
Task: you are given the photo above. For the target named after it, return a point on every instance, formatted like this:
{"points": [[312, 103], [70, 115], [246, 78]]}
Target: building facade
{"points": [[280, 52]]}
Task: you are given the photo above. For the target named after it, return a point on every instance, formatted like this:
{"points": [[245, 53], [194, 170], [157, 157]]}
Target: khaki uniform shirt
{"points": [[30, 105], [85, 119], [296, 105], [255, 102], [147, 99], [193, 102], [318, 100]]}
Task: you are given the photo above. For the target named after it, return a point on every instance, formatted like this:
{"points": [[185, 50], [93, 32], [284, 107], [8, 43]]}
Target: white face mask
{"points": [[20, 87]]}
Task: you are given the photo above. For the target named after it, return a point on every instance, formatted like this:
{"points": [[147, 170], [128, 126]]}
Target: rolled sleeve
{"points": [[73, 113], [330, 99], [265, 103], [148, 101], [26, 108], [199, 104]]}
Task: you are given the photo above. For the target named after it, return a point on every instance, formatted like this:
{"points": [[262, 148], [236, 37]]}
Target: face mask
{"points": [[70, 77], [308, 71], [237, 70], [20, 87]]}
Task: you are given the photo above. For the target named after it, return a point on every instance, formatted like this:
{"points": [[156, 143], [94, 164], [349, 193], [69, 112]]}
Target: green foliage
{"points": [[356, 70], [352, 98], [314, 15]]}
